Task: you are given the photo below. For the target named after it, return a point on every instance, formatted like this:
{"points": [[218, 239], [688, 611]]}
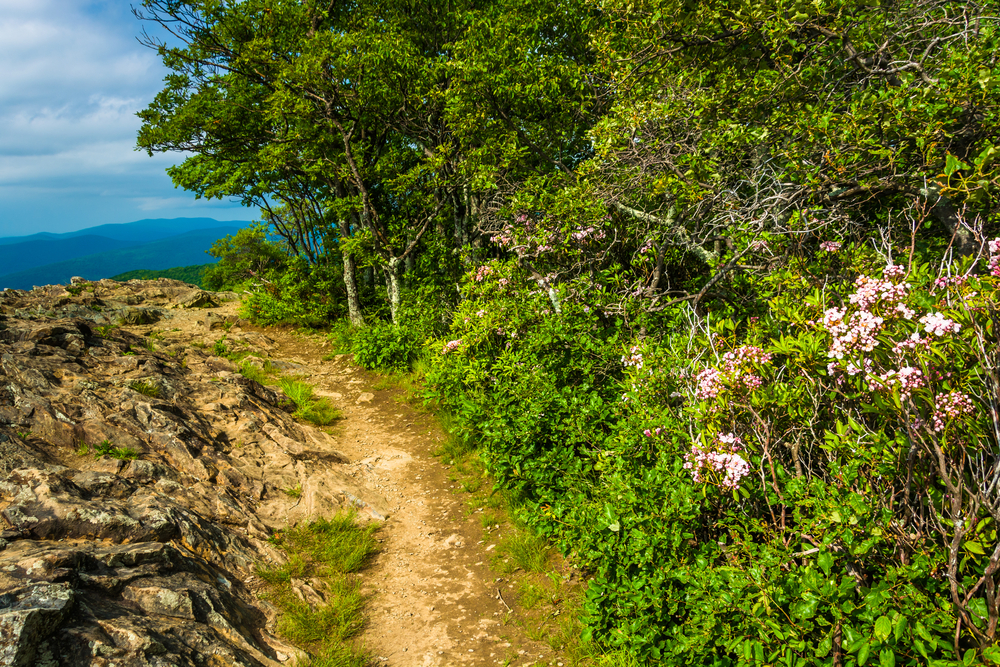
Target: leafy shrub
{"points": [[106, 448], [247, 254], [788, 489], [301, 294], [385, 347]]}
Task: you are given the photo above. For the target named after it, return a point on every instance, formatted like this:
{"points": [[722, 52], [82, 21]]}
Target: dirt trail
{"points": [[434, 600]]}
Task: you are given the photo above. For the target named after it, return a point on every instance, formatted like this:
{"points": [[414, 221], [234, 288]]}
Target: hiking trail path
{"points": [[434, 601]]}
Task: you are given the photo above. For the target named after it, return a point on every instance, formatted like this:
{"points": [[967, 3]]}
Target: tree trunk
{"points": [[392, 283], [350, 282]]}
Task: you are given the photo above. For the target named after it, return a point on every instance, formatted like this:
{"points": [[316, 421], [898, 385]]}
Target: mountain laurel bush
{"points": [[818, 485]]}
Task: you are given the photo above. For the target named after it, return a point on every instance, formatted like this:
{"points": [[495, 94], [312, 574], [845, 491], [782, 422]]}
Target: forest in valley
{"points": [[711, 285]]}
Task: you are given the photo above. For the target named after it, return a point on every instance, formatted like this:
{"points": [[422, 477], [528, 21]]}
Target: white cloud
{"points": [[72, 77]]}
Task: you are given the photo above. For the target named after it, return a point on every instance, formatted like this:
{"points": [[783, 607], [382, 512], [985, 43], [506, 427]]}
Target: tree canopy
{"points": [[645, 248]]}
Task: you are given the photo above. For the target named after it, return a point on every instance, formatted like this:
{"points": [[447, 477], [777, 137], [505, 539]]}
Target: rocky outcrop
{"points": [[140, 477]]}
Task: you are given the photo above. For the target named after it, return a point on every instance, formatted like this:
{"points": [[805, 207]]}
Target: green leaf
{"points": [[863, 653], [953, 164], [824, 647], [825, 562], [887, 658], [883, 627], [897, 632], [975, 547]]}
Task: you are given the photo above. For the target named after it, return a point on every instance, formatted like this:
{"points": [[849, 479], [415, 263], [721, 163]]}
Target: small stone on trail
{"points": [[366, 397]]}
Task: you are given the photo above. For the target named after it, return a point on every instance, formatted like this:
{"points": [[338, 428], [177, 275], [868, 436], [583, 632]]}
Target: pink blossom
{"points": [[634, 358], [720, 461], [994, 263], [709, 384], [938, 324], [869, 291], [894, 271], [830, 246], [736, 372], [482, 272], [915, 340], [950, 406], [908, 378], [451, 346]]}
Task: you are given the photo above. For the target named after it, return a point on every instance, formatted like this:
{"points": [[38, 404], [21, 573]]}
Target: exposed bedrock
{"points": [[109, 559]]}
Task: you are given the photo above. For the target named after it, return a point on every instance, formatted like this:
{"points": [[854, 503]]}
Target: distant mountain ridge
{"points": [[140, 231], [15, 257], [107, 250]]}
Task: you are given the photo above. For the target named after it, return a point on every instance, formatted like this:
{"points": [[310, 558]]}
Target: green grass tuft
{"points": [[313, 409], [523, 550], [328, 550], [338, 621], [106, 448], [145, 388], [251, 371]]}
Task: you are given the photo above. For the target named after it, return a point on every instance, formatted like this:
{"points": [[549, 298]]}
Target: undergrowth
{"points": [[324, 553], [145, 388]]}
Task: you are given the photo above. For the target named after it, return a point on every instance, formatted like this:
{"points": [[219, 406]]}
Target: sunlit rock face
{"points": [[140, 479]]}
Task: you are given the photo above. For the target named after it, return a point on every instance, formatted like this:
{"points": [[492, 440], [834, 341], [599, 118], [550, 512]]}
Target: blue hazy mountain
{"points": [[183, 249], [15, 257], [140, 231]]}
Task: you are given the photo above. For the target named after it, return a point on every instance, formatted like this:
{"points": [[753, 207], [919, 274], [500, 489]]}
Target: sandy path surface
{"points": [[434, 600]]}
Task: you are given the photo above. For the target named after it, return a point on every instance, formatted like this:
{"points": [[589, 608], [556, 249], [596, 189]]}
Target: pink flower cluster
{"points": [[859, 333], [994, 247], [908, 378], [860, 330], [710, 384], [451, 346], [950, 406], [830, 246], [944, 281], [633, 358], [482, 272], [656, 431], [938, 324], [913, 342], [583, 233], [736, 372], [869, 291], [722, 462]]}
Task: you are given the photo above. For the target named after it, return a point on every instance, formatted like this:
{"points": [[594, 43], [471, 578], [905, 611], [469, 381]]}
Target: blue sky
{"points": [[72, 76]]}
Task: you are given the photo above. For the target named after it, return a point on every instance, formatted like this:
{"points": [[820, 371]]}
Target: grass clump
{"points": [[145, 388], [523, 550], [263, 374], [311, 408], [327, 550], [107, 448]]}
